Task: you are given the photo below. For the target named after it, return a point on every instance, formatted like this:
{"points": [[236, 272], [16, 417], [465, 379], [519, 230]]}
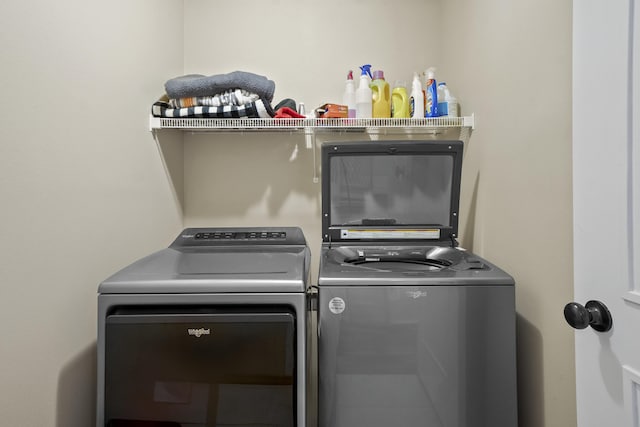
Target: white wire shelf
{"points": [[426, 125]]}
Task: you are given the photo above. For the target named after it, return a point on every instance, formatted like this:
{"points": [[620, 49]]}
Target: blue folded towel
{"points": [[191, 85]]}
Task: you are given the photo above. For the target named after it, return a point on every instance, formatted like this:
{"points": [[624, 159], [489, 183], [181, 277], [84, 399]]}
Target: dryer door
{"points": [[200, 366]]}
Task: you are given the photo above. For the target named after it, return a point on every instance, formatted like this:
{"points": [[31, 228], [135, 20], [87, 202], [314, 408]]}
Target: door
{"points": [[606, 174]]}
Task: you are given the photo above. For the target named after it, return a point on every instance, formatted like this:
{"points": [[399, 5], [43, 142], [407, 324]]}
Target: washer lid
{"points": [[391, 190], [216, 260]]}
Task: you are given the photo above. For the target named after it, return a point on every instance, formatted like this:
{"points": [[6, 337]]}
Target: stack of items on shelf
{"points": [[242, 94], [238, 94], [374, 98]]}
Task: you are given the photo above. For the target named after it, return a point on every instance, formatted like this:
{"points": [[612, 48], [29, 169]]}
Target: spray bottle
{"points": [[364, 95], [417, 98], [349, 96], [431, 93]]}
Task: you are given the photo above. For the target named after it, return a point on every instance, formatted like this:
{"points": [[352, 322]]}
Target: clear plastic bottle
{"points": [[417, 98], [364, 99], [381, 96], [447, 103], [443, 91], [452, 105]]}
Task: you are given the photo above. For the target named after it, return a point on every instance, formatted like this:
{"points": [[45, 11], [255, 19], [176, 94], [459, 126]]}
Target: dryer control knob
{"points": [[593, 313]]}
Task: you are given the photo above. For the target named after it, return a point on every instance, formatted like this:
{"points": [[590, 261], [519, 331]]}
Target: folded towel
{"points": [[230, 97], [192, 85], [259, 109]]}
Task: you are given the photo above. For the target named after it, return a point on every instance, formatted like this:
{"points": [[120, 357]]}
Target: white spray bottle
{"points": [[349, 96]]}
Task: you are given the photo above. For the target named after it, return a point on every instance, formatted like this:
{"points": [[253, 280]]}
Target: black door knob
{"points": [[593, 313]]}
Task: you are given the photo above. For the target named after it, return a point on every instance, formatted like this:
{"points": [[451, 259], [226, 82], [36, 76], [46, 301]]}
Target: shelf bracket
{"points": [[309, 137], [310, 141]]}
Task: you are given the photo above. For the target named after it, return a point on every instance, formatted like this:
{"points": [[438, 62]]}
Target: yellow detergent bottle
{"points": [[400, 107], [381, 96]]}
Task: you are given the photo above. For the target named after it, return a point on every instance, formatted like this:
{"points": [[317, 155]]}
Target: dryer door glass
{"points": [[201, 366]]}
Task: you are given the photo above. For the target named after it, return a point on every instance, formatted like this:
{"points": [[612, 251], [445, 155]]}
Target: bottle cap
{"points": [[378, 74]]}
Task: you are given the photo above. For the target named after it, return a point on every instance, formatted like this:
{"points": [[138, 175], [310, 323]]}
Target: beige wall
{"points": [[511, 65], [83, 191], [64, 177]]}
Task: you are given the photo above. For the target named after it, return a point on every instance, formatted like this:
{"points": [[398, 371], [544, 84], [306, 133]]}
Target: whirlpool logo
{"points": [[198, 332], [417, 294]]}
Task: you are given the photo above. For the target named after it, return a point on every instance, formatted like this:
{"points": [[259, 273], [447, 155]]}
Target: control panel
{"points": [[241, 235]]}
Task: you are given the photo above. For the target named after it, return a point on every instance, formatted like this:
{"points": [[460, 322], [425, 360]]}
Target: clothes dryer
{"points": [[413, 331], [210, 331]]}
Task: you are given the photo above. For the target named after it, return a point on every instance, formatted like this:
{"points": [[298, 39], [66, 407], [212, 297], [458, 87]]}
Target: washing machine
{"points": [[210, 331], [413, 330]]}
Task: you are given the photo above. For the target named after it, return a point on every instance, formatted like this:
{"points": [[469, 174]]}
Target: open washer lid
{"points": [[391, 191]]}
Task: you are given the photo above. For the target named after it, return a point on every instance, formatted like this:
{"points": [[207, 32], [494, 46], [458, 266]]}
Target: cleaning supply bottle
{"points": [[443, 91], [349, 96], [417, 98], [381, 96], [364, 99], [400, 101], [452, 105], [431, 93]]}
